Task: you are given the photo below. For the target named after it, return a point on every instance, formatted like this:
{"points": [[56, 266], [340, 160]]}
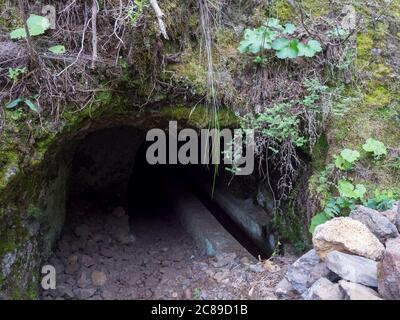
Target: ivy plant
{"points": [[37, 25], [346, 159], [375, 147]]}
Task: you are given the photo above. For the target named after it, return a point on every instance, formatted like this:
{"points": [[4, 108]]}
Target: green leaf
{"points": [[255, 40], [31, 105], [13, 103], [290, 28], [280, 43], [318, 219], [376, 147], [290, 51], [37, 25], [315, 45], [347, 190], [18, 33], [350, 155], [310, 49], [58, 49], [274, 23]]}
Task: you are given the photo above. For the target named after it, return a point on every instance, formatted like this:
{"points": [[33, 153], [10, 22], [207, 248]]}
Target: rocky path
{"points": [[104, 255]]}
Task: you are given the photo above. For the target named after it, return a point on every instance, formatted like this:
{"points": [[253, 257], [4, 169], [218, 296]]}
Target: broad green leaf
{"points": [[350, 155], [255, 40], [347, 190], [290, 51], [376, 147], [341, 163], [318, 219], [18, 33], [59, 49], [37, 25], [310, 49], [274, 23], [31, 105], [290, 28], [315, 45], [13, 103], [280, 43]]}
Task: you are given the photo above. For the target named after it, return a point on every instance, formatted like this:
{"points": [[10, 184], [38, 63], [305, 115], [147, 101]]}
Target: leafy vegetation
{"points": [[375, 147], [272, 35], [346, 159]]}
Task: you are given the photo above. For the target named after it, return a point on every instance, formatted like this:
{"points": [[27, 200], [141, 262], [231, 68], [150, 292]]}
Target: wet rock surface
{"points": [[159, 261]]}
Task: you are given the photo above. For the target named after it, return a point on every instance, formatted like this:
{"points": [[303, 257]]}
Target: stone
{"points": [[323, 289], [353, 268], [355, 291], [83, 280], [7, 262], [65, 292], [346, 235], [377, 223], [393, 215], [389, 271], [284, 289], [126, 239], [82, 231], [118, 212], [87, 261], [257, 268], [224, 259], [106, 252], [98, 278], [84, 293], [305, 271]]}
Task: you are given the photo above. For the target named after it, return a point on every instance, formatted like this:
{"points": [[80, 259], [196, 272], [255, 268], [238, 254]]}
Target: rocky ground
{"points": [[354, 258], [103, 254]]}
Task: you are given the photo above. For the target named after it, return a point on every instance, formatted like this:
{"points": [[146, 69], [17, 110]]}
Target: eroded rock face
{"points": [[377, 223], [305, 271], [389, 271], [353, 268], [346, 235], [355, 291], [323, 289]]}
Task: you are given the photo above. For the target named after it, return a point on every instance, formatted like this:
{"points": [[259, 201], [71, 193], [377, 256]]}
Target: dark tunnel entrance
{"points": [[124, 237]]}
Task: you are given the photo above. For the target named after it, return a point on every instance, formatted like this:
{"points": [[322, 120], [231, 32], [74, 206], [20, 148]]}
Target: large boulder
{"points": [[323, 289], [305, 271], [393, 215], [353, 268], [377, 223], [355, 291], [389, 271], [346, 235]]}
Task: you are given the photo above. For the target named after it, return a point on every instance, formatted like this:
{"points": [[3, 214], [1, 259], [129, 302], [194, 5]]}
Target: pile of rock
{"points": [[354, 258]]}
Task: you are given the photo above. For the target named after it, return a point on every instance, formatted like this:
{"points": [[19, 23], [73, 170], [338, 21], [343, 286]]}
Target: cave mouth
{"points": [[122, 237]]}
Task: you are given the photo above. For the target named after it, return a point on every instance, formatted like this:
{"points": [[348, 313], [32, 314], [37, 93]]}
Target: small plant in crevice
{"points": [[27, 101], [280, 39], [349, 194]]}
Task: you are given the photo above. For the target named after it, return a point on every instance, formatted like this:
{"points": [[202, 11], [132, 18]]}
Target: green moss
{"points": [[198, 116], [378, 97], [282, 10]]}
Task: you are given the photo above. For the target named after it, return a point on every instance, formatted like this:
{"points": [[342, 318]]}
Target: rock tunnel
{"points": [[114, 226]]}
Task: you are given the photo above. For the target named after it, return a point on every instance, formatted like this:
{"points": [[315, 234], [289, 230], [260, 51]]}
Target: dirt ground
{"points": [[105, 254]]}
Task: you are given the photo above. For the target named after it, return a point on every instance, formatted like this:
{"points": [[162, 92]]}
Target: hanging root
{"points": [[160, 16]]}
